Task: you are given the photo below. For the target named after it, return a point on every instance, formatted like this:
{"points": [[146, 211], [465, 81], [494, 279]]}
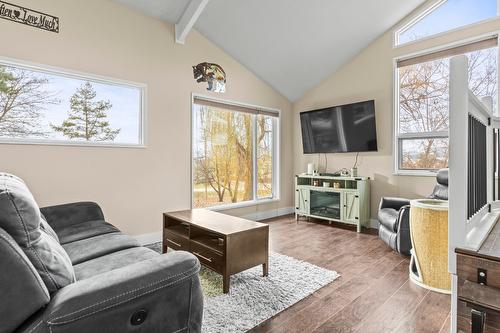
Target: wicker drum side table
{"points": [[429, 238]]}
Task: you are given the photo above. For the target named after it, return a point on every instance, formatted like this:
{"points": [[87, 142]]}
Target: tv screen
{"points": [[340, 129]]}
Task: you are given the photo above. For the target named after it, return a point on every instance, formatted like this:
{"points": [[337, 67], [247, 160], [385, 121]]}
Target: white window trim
{"points": [[395, 91], [276, 157], [421, 12], [73, 74]]}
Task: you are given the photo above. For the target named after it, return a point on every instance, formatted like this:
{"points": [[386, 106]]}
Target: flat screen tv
{"points": [[340, 129]]}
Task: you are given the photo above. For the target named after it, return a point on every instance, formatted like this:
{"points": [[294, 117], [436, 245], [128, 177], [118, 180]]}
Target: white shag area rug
{"points": [[254, 299]]}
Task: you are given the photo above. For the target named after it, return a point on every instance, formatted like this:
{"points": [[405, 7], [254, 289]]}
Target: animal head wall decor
{"points": [[213, 74]]}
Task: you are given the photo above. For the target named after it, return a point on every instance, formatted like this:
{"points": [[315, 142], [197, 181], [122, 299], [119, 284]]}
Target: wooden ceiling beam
{"points": [[188, 19]]}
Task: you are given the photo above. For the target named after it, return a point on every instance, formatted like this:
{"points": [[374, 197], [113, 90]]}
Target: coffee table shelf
{"points": [[179, 229]]}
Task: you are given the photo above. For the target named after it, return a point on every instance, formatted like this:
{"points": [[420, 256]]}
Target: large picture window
{"points": [[422, 102], [41, 105], [234, 153]]}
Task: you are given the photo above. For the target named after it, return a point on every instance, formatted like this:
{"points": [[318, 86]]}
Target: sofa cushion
{"points": [[60, 216], [388, 217], [113, 261], [83, 230], [93, 247], [21, 219]]}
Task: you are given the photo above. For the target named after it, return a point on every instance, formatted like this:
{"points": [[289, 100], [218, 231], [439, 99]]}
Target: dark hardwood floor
{"points": [[373, 293]]}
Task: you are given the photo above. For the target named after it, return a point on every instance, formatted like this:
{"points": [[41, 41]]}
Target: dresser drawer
{"points": [[208, 257], [467, 269], [472, 295], [464, 324], [175, 241]]}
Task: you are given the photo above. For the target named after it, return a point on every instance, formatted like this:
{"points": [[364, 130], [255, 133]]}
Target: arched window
{"points": [[444, 15]]}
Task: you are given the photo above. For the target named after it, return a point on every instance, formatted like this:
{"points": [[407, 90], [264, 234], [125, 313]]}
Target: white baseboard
{"points": [[268, 214], [150, 238], [155, 237]]}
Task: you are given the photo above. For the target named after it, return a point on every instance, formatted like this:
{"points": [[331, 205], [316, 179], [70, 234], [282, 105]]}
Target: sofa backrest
{"points": [[23, 291], [441, 189], [21, 219]]}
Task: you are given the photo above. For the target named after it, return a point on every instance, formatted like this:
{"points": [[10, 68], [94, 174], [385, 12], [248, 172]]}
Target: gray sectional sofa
{"points": [[65, 269]]}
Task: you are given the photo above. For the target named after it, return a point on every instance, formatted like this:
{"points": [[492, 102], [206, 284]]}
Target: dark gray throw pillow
{"points": [[21, 218]]}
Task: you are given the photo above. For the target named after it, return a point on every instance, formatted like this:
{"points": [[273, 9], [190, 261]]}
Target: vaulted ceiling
{"points": [[291, 44]]}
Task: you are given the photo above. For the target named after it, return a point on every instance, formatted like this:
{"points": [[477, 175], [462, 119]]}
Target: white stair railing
{"points": [[473, 209]]}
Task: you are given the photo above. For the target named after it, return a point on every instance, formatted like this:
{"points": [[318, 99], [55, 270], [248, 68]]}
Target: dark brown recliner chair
{"points": [[394, 216]]}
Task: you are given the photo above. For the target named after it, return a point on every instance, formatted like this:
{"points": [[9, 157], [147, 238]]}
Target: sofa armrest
{"points": [[164, 293], [394, 203], [72, 213], [403, 236], [23, 291]]}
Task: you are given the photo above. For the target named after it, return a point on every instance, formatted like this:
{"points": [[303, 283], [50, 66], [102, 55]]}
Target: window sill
{"points": [[70, 143], [242, 204], [415, 173]]}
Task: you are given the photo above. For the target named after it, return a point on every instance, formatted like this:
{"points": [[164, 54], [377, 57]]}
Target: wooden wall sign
{"points": [[29, 17]]}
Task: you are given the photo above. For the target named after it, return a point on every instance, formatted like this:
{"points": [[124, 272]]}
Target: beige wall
{"points": [[134, 186], [370, 76]]}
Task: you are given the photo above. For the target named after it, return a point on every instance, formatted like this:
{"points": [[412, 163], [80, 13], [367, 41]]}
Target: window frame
{"points": [[73, 74], [421, 12], [397, 137], [276, 155]]}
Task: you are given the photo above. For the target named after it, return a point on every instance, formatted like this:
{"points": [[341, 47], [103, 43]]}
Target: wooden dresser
{"points": [[478, 292]]}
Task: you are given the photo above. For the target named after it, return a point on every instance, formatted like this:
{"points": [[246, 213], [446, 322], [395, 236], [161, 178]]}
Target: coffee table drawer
{"points": [[175, 242], [207, 256]]}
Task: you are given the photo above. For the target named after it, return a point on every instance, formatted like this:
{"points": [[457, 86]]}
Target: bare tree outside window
{"points": [[423, 106], [23, 97], [53, 106], [264, 156], [223, 156], [223, 164]]}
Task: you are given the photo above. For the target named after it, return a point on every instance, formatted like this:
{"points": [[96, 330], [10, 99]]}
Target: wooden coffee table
{"points": [[223, 243]]}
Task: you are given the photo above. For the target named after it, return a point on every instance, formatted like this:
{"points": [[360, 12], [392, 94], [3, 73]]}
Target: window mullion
{"points": [[254, 158], [275, 159]]}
